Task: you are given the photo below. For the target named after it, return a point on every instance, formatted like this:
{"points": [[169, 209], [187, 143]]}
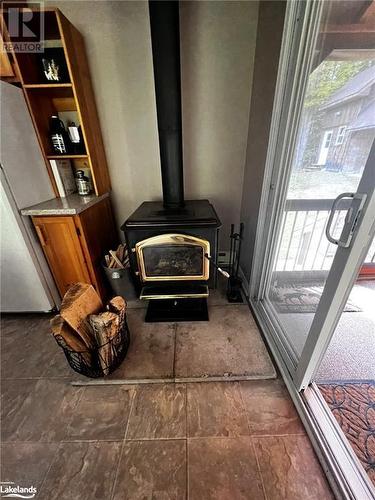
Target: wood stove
{"points": [[172, 244], [168, 256]]}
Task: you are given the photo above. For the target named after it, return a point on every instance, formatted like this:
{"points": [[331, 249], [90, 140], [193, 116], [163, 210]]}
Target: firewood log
{"points": [[67, 337], [79, 302], [118, 306], [119, 252], [105, 327], [116, 259]]}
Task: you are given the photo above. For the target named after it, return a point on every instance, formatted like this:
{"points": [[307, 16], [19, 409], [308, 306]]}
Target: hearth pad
{"points": [[170, 310]]}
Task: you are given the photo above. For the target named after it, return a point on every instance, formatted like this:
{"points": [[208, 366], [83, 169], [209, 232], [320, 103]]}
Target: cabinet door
{"points": [[97, 236], [58, 236]]}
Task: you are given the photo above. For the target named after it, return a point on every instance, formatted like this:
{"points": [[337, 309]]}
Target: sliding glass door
{"points": [[317, 216], [319, 186]]}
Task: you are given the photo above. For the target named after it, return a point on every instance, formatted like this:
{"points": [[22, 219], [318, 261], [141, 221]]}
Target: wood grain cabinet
{"points": [[74, 245]]}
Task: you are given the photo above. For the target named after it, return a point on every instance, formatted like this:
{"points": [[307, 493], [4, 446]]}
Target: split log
{"points": [[118, 306], [120, 252], [79, 302], [67, 338], [116, 259], [105, 327]]}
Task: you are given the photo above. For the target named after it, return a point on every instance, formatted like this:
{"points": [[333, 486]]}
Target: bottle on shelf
{"points": [[59, 136], [75, 136]]}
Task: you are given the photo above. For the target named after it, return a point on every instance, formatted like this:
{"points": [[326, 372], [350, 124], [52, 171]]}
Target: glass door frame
{"points": [[301, 27]]}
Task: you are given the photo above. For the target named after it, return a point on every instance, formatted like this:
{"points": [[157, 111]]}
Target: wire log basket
{"points": [[92, 363]]}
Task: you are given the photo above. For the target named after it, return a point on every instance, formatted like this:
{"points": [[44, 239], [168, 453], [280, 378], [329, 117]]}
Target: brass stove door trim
{"points": [[173, 239]]}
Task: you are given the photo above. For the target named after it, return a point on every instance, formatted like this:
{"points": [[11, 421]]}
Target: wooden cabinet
{"points": [[59, 239], [74, 245]]}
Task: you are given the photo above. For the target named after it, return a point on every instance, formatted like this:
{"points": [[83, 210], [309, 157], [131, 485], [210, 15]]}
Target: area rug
{"points": [[297, 298], [353, 405]]}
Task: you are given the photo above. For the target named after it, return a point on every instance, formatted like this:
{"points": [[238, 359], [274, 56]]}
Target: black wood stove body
{"points": [[168, 258]]}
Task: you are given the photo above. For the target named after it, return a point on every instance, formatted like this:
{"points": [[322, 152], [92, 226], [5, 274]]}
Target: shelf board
{"points": [[47, 85], [61, 157]]}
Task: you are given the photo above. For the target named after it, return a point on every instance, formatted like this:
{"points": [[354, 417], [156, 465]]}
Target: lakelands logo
{"points": [[25, 27], [13, 490]]}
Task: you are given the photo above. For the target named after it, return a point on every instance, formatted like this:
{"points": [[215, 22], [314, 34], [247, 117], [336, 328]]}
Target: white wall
{"points": [[217, 48], [217, 52]]}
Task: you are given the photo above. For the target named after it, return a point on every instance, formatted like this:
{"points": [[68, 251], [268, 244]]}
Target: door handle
{"points": [[351, 218], [41, 235]]}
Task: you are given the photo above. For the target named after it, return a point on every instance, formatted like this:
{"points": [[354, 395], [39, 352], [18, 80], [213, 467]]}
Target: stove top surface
{"points": [[199, 212]]}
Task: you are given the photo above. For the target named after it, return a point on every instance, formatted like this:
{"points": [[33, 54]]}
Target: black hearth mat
{"points": [[172, 310]]}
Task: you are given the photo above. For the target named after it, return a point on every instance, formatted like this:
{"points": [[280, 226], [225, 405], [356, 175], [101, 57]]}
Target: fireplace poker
{"points": [[235, 282], [224, 273]]}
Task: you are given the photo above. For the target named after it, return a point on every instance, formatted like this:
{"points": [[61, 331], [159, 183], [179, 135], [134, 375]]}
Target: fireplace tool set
{"points": [[234, 281]]}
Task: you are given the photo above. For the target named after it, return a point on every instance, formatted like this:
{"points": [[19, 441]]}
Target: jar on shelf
{"points": [[83, 183]]}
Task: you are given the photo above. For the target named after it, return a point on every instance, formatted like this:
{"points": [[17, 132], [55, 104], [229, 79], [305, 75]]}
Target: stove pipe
{"points": [[165, 37]]}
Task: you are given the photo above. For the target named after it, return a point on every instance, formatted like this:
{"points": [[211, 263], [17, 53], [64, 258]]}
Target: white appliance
{"points": [[26, 282]]}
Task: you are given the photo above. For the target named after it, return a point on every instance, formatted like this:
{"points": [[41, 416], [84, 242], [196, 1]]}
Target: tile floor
{"points": [[202, 441], [228, 345]]}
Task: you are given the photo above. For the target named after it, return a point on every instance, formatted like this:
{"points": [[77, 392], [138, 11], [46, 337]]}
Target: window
{"points": [[340, 136]]}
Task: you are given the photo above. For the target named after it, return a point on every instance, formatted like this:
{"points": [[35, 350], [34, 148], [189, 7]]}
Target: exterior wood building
{"points": [[348, 124]]}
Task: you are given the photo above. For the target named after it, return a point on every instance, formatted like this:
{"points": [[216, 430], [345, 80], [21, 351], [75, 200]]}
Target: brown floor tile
{"points": [[9, 324], [83, 471], [26, 464], [223, 468], [151, 349], [159, 411], [14, 394], [59, 367], [290, 469], [43, 415], [101, 413], [269, 408], [215, 409], [20, 324], [152, 470], [229, 343], [27, 347]]}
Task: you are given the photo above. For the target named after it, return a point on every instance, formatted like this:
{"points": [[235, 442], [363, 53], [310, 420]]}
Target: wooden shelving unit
{"points": [[74, 96], [73, 245]]}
